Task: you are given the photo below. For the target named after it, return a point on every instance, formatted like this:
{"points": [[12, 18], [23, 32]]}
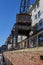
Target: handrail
{"points": [[26, 42]]}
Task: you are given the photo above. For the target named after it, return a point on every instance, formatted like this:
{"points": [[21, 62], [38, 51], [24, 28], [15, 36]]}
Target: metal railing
{"points": [[31, 42]]}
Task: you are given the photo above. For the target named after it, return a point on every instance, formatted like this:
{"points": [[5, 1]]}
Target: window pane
{"points": [[35, 16], [39, 14]]}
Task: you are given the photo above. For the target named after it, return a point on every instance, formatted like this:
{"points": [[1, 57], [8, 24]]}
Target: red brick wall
{"points": [[24, 57]]}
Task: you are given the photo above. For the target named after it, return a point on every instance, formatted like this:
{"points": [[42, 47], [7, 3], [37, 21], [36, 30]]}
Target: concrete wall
{"points": [[24, 57]]}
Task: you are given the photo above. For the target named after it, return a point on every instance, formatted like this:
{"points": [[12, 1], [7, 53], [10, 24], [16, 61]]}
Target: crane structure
{"points": [[24, 6], [23, 19]]}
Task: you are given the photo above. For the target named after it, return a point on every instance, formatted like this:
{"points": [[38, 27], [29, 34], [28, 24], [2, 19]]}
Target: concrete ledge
{"points": [[28, 49]]}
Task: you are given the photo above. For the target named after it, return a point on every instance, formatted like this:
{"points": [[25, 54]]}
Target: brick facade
{"points": [[25, 57]]}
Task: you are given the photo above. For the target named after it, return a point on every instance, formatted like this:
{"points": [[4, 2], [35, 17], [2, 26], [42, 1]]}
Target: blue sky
{"points": [[8, 11]]}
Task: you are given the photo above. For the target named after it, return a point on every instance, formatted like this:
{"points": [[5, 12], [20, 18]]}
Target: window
{"points": [[41, 57], [36, 16], [39, 14], [25, 44], [40, 23], [38, 5], [23, 17], [14, 40], [34, 9], [19, 17]]}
